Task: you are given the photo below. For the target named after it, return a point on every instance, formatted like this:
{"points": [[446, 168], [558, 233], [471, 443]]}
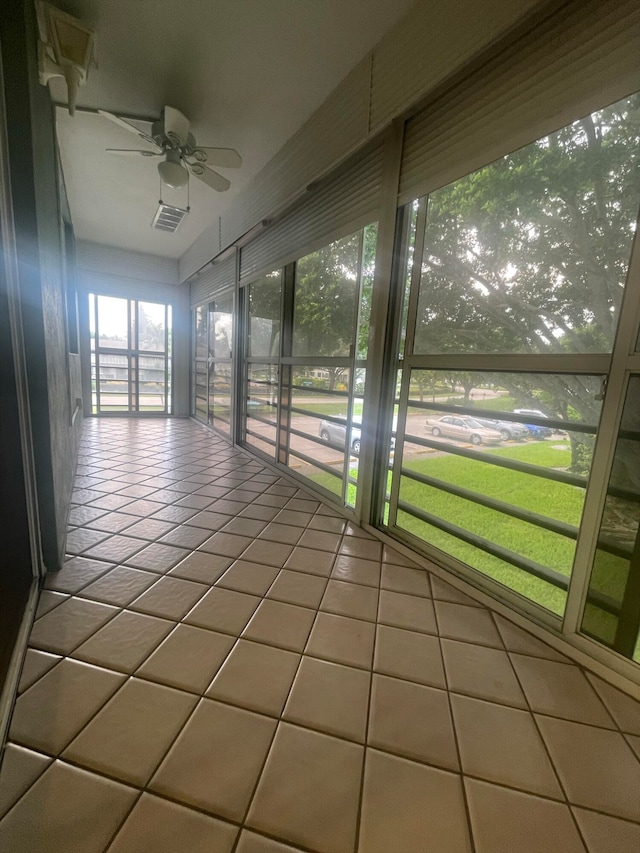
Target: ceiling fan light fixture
{"points": [[172, 172]]}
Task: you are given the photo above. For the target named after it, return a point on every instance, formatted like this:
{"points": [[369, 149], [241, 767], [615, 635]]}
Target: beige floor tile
{"points": [[367, 549], [596, 766], [605, 834], [201, 567], [76, 574], [188, 659], [469, 624], [226, 544], [310, 561], [185, 537], [215, 762], [322, 540], [287, 533], [412, 720], [206, 520], [34, 667], [244, 526], [248, 577], [157, 557], [125, 642], [159, 826], [350, 599], [309, 790], [445, 592], [149, 529], [330, 524], [409, 807], [223, 610], [48, 600], [356, 570], [120, 586], [66, 810], [280, 624], [256, 677], [252, 843], [169, 598], [624, 709], [412, 612], [54, 710], [481, 672], [113, 522], [409, 655], [64, 628], [502, 745], [130, 735], [517, 640], [634, 743], [343, 640], [331, 698], [20, 769], [298, 588], [504, 821], [116, 549], [390, 555], [404, 579], [560, 690], [268, 553]]}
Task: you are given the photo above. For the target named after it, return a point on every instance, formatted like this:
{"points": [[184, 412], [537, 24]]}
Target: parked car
{"points": [[336, 433], [539, 432], [507, 429], [464, 429], [535, 430]]}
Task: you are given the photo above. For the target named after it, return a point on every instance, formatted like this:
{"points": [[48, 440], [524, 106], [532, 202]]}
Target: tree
{"points": [[530, 255]]}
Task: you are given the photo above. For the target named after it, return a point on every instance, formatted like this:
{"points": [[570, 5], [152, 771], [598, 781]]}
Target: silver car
{"points": [[336, 433], [507, 429], [464, 429]]}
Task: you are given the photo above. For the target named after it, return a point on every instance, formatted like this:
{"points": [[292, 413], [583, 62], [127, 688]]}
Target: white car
{"points": [[463, 429]]}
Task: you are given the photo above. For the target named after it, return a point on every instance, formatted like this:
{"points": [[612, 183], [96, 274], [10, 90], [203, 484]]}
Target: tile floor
{"points": [[224, 664]]}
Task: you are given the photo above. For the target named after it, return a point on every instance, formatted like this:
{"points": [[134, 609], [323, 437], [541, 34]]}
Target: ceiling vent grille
{"points": [[168, 218]]}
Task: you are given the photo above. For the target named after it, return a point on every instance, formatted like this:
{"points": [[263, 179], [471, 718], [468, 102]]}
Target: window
{"points": [[512, 312]]}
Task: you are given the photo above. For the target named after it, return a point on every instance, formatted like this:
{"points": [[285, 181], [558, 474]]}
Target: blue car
{"points": [[539, 432]]}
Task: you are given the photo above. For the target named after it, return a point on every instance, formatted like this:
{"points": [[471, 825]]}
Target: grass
{"points": [[546, 497]]}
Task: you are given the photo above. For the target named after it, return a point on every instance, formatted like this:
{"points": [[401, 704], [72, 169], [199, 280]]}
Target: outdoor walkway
{"points": [[227, 665]]}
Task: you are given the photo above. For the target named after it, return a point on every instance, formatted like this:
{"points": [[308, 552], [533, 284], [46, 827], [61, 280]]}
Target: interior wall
{"points": [[111, 271], [431, 43], [35, 185]]}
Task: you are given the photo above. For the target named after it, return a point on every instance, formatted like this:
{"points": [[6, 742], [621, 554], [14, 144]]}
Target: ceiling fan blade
{"points": [[228, 158], [125, 124], [130, 152], [176, 125], [209, 177]]}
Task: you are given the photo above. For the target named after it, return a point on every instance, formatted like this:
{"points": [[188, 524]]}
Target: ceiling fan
{"points": [[172, 140]]}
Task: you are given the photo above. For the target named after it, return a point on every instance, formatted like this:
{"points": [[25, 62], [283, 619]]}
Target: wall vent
{"points": [[168, 218]]}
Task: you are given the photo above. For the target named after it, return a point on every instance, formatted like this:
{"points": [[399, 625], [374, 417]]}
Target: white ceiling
{"points": [[247, 73]]}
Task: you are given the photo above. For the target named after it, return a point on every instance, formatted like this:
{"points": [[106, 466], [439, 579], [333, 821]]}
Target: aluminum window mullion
{"points": [[405, 387]]}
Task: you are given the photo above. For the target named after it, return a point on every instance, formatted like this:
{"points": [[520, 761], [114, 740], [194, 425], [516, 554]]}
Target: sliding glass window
{"points": [[212, 361], [510, 322]]}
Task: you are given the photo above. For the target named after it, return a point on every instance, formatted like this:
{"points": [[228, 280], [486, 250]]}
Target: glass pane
{"points": [[499, 489], [612, 611], [151, 326], [201, 408], [152, 390], [113, 322], [220, 396], [370, 238], [265, 297], [261, 405], [326, 299], [113, 382], [221, 326], [530, 254], [200, 336], [92, 320]]}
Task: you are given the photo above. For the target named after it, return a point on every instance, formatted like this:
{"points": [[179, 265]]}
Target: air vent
{"points": [[168, 218]]}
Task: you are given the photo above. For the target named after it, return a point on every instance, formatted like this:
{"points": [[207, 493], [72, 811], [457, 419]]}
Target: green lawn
{"points": [[546, 497]]}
